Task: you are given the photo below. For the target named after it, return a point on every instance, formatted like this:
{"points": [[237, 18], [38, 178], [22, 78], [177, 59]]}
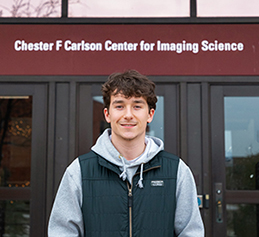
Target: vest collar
{"points": [[155, 162], [108, 165]]}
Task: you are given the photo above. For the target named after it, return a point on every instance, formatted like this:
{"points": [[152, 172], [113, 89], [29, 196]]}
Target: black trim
{"points": [[15, 193], [105, 21], [64, 8], [193, 8], [219, 79]]}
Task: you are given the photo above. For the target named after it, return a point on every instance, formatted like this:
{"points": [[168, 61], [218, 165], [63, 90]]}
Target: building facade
{"points": [[205, 65]]}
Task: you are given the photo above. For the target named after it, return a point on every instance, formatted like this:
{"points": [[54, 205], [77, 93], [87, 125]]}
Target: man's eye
{"points": [[119, 107], [137, 107]]}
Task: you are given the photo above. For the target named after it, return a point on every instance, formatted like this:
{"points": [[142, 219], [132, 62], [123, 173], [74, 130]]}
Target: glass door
{"points": [[15, 161], [235, 160], [22, 160]]}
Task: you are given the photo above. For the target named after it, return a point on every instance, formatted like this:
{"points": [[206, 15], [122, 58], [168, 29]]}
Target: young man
{"points": [[127, 185]]}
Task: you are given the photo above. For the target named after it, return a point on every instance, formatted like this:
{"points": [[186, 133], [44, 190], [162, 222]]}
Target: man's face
{"points": [[128, 117]]}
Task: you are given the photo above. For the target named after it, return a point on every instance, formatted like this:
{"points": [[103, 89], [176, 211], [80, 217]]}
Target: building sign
{"points": [[223, 49]]}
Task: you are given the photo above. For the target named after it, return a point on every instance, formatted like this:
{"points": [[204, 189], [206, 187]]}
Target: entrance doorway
{"points": [[91, 121], [22, 159], [235, 160]]}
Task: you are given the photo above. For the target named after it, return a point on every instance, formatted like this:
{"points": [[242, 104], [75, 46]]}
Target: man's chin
{"points": [[129, 138]]}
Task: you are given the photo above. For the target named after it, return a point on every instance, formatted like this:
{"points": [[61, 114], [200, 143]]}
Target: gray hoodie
{"points": [[66, 216]]}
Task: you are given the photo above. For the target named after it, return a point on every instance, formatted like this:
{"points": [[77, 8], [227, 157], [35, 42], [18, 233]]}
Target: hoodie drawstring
{"points": [[123, 175], [140, 183]]}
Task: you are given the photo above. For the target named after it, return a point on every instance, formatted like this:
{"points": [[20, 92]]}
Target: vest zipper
{"points": [[130, 209], [130, 198]]}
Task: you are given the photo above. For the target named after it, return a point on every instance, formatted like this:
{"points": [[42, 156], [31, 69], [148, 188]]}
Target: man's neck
{"points": [[130, 149]]}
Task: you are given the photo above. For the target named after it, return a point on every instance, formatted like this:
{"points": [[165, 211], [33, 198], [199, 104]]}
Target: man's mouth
{"points": [[128, 125]]}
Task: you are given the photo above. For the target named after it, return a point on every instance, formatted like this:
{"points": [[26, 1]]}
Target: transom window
{"points": [[127, 8], [30, 8]]}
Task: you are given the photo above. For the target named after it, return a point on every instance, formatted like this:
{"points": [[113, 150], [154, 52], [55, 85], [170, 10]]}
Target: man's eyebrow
{"points": [[117, 102], [139, 101]]}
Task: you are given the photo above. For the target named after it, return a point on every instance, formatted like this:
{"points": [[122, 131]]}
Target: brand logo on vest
{"points": [[157, 183]]}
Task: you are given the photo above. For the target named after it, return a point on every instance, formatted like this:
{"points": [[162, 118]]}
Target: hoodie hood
{"points": [[105, 148]]}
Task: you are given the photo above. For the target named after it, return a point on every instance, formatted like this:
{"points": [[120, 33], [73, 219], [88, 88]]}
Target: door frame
{"points": [[36, 193], [218, 92]]}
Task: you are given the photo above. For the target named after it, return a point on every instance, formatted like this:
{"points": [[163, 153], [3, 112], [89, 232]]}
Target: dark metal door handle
{"points": [[219, 207], [219, 211]]}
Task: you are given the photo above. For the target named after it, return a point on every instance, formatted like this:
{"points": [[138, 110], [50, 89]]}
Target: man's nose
{"points": [[128, 113]]}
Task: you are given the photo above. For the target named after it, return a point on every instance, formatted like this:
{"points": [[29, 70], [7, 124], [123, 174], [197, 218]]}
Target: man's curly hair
{"points": [[130, 84]]}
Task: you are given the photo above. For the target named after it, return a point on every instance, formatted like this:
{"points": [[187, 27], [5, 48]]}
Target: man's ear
{"points": [[150, 115], [106, 115]]}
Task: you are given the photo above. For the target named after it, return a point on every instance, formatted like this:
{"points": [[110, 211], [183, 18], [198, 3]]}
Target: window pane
{"points": [[15, 143], [156, 127], [99, 122], [242, 142], [129, 8], [227, 8], [242, 220], [30, 8], [14, 218]]}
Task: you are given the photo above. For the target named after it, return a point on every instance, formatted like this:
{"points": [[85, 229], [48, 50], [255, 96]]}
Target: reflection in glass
{"points": [[242, 142], [15, 141], [30, 8], [155, 128], [99, 122], [14, 218], [242, 220], [129, 8]]}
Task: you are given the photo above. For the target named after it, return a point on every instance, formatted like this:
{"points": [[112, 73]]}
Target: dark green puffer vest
{"points": [[109, 210]]}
